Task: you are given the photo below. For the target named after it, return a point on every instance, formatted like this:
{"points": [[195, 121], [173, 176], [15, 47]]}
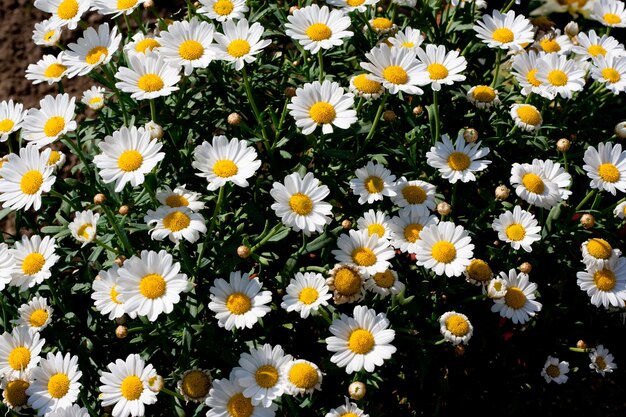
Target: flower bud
{"points": [[346, 224], [123, 210], [389, 116], [119, 261], [379, 9], [620, 130], [243, 251], [357, 390], [587, 220], [156, 383], [234, 119], [99, 198], [155, 130], [418, 110], [571, 29], [444, 208], [121, 332], [293, 9], [290, 92], [563, 145], [581, 344], [147, 4], [502, 192], [526, 267], [470, 135]]}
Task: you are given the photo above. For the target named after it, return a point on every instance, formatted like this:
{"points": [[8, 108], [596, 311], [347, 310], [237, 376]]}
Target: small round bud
{"points": [[121, 332], [119, 261], [581, 344], [357, 390], [155, 130], [526, 267], [290, 92], [99, 198], [243, 251], [156, 383], [620, 130], [389, 116], [587, 220], [470, 135], [234, 119], [563, 145], [148, 4], [571, 29], [444, 208], [196, 4], [293, 9], [346, 224], [379, 9], [418, 110], [502, 192], [123, 210]]}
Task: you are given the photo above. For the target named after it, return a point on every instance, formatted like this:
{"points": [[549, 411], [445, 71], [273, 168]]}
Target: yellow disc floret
{"points": [[444, 252], [361, 341], [301, 204], [152, 286], [238, 303]]}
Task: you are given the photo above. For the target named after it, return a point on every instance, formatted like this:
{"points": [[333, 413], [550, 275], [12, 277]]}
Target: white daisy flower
{"points": [[591, 46], [438, 67], [497, 288], [64, 12], [605, 166], [362, 341], [19, 351], [35, 315], [49, 68], [610, 70], [605, 285], [106, 294], [299, 203], [408, 38], [95, 48], [406, 229], [483, 96], [115, 8], [559, 75], [372, 183], [444, 248], [127, 156], [318, 28], [194, 384], [325, 105], [519, 301], [240, 43], [261, 374], [226, 399], [395, 68], [526, 117], [368, 252], [175, 223], [84, 227], [455, 328], [155, 130], [11, 116], [141, 43], [554, 43], [34, 257], [306, 293], [524, 68], [361, 86], [349, 409], [302, 377], [46, 33], [148, 77], [416, 196], [457, 161], [478, 273], [598, 252], [602, 361], [347, 282], [56, 159], [222, 10], [180, 197], [532, 185], [505, 31], [610, 13], [151, 284], [53, 119], [519, 228], [620, 211], [375, 222], [223, 161], [73, 411], [348, 6], [6, 265], [238, 302], [384, 283], [126, 386], [55, 383], [381, 26], [94, 98], [187, 44], [14, 391], [555, 371], [557, 175]]}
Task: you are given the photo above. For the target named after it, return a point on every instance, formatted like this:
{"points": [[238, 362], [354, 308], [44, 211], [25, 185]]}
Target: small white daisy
{"points": [[457, 161], [106, 294], [46, 33], [362, 341], [239, 302], [559, 76], [11, 116], [49, 68], [226, 399], [141, 43], [532, 185], [602, 361], [483, 96], [362, 86], [6, 265], [406, 229], [620, 211], [372, 183], [94, 98], [375, 222], [415, 195], [223, 161], [610, 70], [348, 6], [318, 28], [557, 175], [115, 8], [175, 223], [14, 391], [34, 257], [497, 288], [555, 371], [519, 228], [381, 26], [53, 119], [95, 48], [368, 252], [519, 301], [505, 31], [610, 13], [439, 67], [55, 383], [194, 384], [347, 282], [349, 409], [524, 68], [553, 42], [84, 227], [302, 377], [35, 315], [408, 38], [306, 293], [456, 327], [478, 273], [526, 116], [397, 69], [56, 159], [156, 130], [148, 77], [187, 44], [180, 197], [384, 283], [605, 166], [591, 46], [240, 43], [64, 12], [598, 252], [605, 285], [19, 351], [223, 10], [444, 248], [127, 156]]}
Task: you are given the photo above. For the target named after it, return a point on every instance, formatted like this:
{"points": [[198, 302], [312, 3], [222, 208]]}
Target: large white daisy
{"points": [[598, 252], [605, 285], [610, 13], [148, 77], [305, 293], [54, 118], [240, 43], [14, 391], [73, 411], [408, 38], [397, 69], [415, 195], [559, 76], [519, 302], [375, 222], [457, 161], [372, 183], [444, 248], [175, 223], [532, 185], [406, 229], [605, 166], [610, 70], [524, 68], [505, 31], [368, 252], [33, 257], [226, 399], [187, 44], [11, 116], [519, 228], [115, 8], [438, 66], [592, 46], [55, 383], [19, 351], [48, 69], [35, 315], [223, 10], [64, 12], [95, 48], [318, 28]]}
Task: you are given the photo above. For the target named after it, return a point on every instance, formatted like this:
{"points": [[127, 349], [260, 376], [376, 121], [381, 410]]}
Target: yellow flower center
{"points": [[96, 54], [319, 32], [131, 387], [322, 112], [531, 77], [609, 172], [191, 50], [130, 160], [381, 23], [361, 341], [225, 168], [515, 232], [125, 4], [49, 35], [384, 279], [238, 48], [459, 161], [85, 231], [239, 406], [484, 93], [54, 126], [600, 362], [376, 228], [266, 376], [611, 19], [595, 50], [176, 200], [611, 75], [529, 115], [152, 286], [604, 279], [373, 184], [113, 294], [444, 252], [408, 45], [54, 71], [437, 71], [303, 375], [238, 303], [363, 257], [308, 295], [363, 84], [33, 262], [301, 204], [6, 125], [479, 270], [503, 35], [146, 44], [395, 74], [55, 156], [196, 384], [150, 83], [58, 385], [348, 415], [67, 9], [19, 358], [176, 221], [355, 3], [38, 317], [31, 182], [412, 232], [347, 282], [550, 45], [553, 371], [557, 78], [414, 194], [457, 325], [515, 298], [15, 392], [533, 183], [599, 248], [95, 100], [223, 7]]}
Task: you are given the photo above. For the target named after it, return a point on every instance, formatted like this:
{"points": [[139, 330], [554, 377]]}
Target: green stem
{"points": [[508, 6], [590, 194], [283, 115], [320, 59], [436, 111], [117, 92], [581, 350], [216, 212], [496, 74], [153, 111], [106, 247], [379, 113], [275, 230], [121, 234], [66, 199], [255, 109], [127, 24], [172, 393]]}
